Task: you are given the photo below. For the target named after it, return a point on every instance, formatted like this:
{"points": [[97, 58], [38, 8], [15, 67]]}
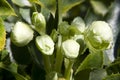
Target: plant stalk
{"points": [[47, 63], [68, 71], [59, 56]]}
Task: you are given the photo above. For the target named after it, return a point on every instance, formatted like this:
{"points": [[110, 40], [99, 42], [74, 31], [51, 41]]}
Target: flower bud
{"points": [[99, 35], [21, 34], [45, 44], [77, 26], [63, 28], [38, 20], [70, 48]]}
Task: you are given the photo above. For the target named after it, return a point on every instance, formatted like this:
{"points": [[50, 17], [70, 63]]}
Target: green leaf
{"points": [[37, 2], [113, 77], [48, 4], [97, 74], [2, 35], [25, 13], [99, 7], [83, 75], [4, 54], [6, 9], [90, 17], [22, 3], [46, 13], [114, 67], [92, 61], [65, 5], [13, 69], [37, 73]]}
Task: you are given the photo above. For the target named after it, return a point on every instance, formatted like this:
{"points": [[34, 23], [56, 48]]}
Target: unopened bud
{"points": [[70, 48], [99, 35], [45, 44], [21, 34], [38, 20]]}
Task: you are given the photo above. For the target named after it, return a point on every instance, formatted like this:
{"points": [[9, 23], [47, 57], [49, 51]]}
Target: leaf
{"points": [[65, 5], [37, 73], [46, 13], [6, 9], [99, 7], [21, 54], [4, 54], [90, 17], [92, 61], [82, 75], [113, 77], [97, 74], [50, 5], [13, 69], [22, 3], [2, 35], [114, 67], [25, 13], [37, 2]]}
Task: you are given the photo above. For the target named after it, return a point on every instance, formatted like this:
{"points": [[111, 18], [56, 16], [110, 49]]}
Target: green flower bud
{"points": [[99, 35], [70, 48], [38, 20], [21, 34], [63, 28], [45, 44]]}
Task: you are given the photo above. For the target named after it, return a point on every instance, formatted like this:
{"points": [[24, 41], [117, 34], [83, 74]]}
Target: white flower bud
{"points": [[99, 35], [21, 34], [77, 26], [70, 48], [38, 20], [45, 44]]}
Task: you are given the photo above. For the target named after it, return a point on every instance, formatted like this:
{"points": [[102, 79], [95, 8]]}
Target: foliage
{"points": [[63, 46]]}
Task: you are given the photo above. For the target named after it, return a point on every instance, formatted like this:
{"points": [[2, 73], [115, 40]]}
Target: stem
{"points": [[33, 54], [35, 8], [59, 55], [47, 63], [59, 12], [67, 74], [84, 50], [52, 58]]}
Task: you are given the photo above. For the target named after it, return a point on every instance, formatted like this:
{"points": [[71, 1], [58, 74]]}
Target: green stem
{"points": [[33, 54], [68, 73], [59, 55], [47, 63], [59, 2]]}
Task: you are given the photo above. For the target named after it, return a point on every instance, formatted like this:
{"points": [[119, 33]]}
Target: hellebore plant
{"points": [[63, 45], [58, 48]]}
